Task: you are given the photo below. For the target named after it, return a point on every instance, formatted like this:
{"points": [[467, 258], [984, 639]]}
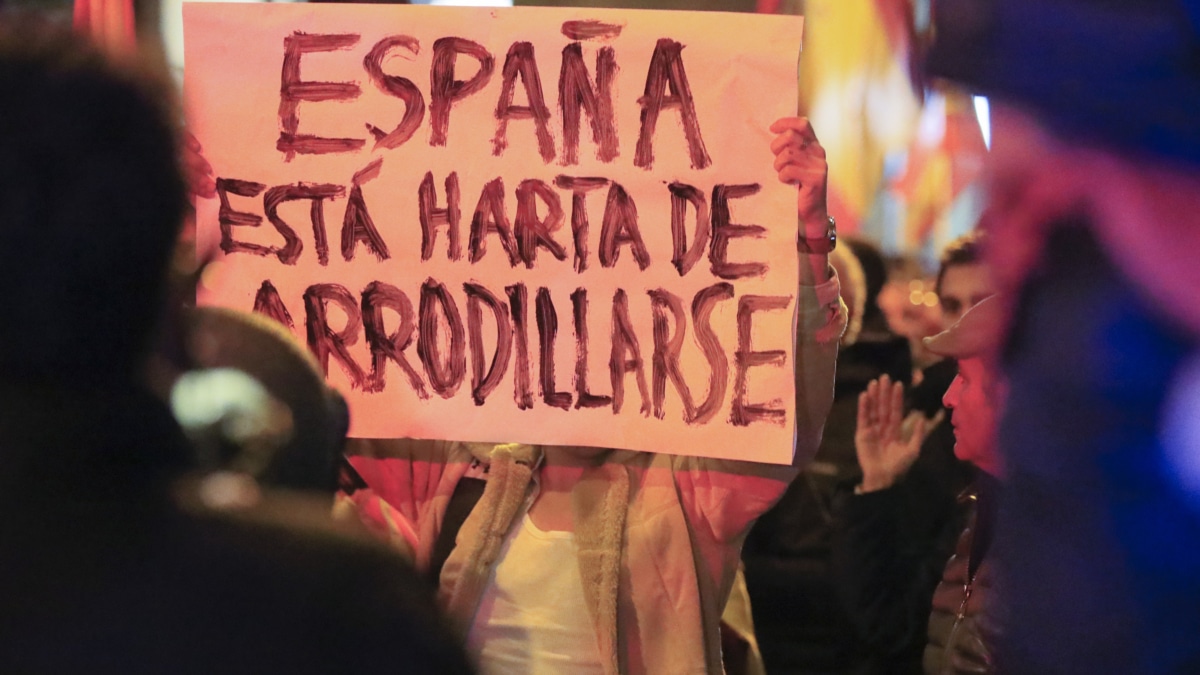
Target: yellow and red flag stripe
{"points": [[109, 23]]}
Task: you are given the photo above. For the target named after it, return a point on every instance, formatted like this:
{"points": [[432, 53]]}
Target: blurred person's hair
{"points": [[904, 267], [854, 290], [92, 199], [966, 250], [875, 274]]}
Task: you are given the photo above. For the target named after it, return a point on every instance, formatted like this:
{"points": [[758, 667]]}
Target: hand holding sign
{"points": [[538, 225], [800, 161]]}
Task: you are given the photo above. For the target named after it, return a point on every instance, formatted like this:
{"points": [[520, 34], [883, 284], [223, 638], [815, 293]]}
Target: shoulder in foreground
{"points": [[282, 557]]}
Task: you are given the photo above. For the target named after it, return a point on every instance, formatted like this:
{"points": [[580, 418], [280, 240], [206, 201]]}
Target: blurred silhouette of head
{"points": [[92, 200], [254, 400], [907, 300], [1117, 72]]}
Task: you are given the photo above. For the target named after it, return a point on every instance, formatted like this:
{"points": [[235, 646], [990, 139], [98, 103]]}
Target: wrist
{"points": [[814, 220], [874, 484], [818, 242]]}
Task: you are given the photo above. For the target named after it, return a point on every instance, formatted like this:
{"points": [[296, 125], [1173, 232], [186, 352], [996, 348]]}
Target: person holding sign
{"points": [[592, 560]]}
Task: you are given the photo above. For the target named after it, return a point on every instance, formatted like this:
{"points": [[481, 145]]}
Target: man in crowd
{"points": [[885, 578]]}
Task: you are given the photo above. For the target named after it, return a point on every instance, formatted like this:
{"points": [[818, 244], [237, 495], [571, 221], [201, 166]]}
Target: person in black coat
{"points": [[887, 577], [799, 624], [923, 509], [110, 559]]}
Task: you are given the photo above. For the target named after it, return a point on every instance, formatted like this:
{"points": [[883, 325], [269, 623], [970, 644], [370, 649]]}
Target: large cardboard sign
{"points": [[535, 225]]}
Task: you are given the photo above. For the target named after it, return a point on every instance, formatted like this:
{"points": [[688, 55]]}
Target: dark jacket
{"points": [[105, 571], [799, 623], [887, 565], [961, 633], [901, 538]]}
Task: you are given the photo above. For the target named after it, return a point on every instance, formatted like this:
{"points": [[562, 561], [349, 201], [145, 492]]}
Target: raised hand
{"points": [[887, 442]]}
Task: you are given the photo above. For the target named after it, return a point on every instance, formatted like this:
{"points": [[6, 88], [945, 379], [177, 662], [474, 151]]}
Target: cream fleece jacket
{"points": [[659, 535]]}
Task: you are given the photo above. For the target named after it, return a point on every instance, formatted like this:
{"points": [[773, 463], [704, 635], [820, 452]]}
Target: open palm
{"points": [[887, 442]]}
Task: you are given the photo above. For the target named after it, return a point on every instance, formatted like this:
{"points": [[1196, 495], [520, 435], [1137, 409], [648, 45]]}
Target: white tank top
{"points": [[533, 619]]}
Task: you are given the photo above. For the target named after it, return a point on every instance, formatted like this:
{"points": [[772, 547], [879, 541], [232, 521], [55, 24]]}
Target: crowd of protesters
{"points": [[1006, 482]]}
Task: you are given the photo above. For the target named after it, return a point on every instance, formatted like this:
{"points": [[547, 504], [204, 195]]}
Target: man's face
{"points": [[973, 414], [963, 286]]}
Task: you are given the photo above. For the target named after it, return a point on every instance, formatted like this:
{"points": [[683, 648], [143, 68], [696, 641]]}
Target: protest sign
{"points": [[533, 225]]}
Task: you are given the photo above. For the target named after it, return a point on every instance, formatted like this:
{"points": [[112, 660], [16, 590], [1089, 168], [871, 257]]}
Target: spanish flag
{"points": [[856, 85], [946, 157]]}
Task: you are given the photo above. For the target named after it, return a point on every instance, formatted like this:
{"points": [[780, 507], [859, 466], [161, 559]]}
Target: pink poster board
{"points": [[511, 225]]}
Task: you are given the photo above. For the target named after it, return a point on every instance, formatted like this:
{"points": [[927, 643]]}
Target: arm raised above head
{"points": [[821, 316], [728, 495]]}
